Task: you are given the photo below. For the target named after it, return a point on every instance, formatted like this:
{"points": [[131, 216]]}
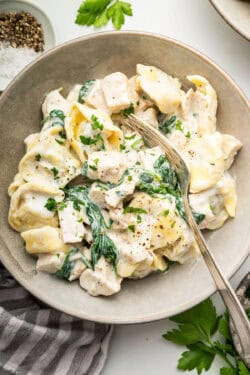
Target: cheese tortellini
{"points": [[93, 202]]}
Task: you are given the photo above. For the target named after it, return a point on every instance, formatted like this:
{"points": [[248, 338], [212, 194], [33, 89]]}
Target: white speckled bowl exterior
{"points": [[158, 295]]}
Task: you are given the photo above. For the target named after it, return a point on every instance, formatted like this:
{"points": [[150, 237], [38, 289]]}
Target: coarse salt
{"points": [[12, 61]]}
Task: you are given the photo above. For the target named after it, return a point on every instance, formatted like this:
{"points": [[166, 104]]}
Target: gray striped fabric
{"points": [[35, 339]]}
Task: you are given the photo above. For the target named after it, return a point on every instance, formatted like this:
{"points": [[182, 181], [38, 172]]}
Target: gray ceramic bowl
{"points": [[157, 296]]}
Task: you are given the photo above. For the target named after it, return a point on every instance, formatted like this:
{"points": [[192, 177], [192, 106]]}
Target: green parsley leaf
{"points": [[130, 137], [165, 213], [93, 167], [117, 11], [188, 135], [132, 228], [88, 140], [186, 334], [96, 161], [137, 143], [55, 172], [38, 157], [126, 112], [203, 316], [228, 371], [178, 126], [242, 368], [122, 147], [99, 12], [95, 123], [138, 219], [223, 327], [135, 210], [195, 358], [53, 205]]}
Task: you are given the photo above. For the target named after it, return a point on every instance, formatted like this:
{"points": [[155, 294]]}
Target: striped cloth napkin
{"points": [[38, 340]]}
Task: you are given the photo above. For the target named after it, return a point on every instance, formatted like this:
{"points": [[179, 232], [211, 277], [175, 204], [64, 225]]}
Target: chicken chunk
{"points": [[102, 280], [149, 116], [71, 223], [116, 91], [108, 166], [95, 97], [162, 89], [50, 262]]}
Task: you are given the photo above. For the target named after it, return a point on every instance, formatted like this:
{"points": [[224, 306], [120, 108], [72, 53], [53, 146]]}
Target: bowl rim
{"points": [[70, 309], [233, 25]]}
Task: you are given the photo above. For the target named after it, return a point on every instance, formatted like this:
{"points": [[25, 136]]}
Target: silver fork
{"points": [[236, 311]]}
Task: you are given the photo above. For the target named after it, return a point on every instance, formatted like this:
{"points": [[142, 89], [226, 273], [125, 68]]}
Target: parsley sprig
{"points": [[196, 329], [99, 12]]}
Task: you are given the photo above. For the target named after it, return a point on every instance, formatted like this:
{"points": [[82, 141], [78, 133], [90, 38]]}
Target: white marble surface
{"points": [[139, 349]]}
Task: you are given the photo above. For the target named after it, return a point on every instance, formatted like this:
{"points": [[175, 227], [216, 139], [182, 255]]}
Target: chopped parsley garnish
{"points": [[126, 112], [178, 126], [130, 178], [132, 228], [136, 143], [59, 142], [122, 146], [139, 219], [84, 90], [130, 137], [212, 208], [53, 205], [135, 210], [96, 123], [96, 161], [38, 157], [173, 224], [188, 135], [93, 167], [91, 141], [55, 172], [165, 213]]}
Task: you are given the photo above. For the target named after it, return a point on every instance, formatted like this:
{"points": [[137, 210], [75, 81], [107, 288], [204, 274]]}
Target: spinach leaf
{"points": [[67, 266], [84, 90], [102, 244], [167, 173], [65, 271], [168, 126], [56, 116]]}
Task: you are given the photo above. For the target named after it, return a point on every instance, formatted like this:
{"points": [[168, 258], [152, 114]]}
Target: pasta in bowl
{"points": [[124, 217]]}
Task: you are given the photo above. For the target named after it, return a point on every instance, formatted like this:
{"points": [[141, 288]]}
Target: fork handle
{"points": [[234, 307]]}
